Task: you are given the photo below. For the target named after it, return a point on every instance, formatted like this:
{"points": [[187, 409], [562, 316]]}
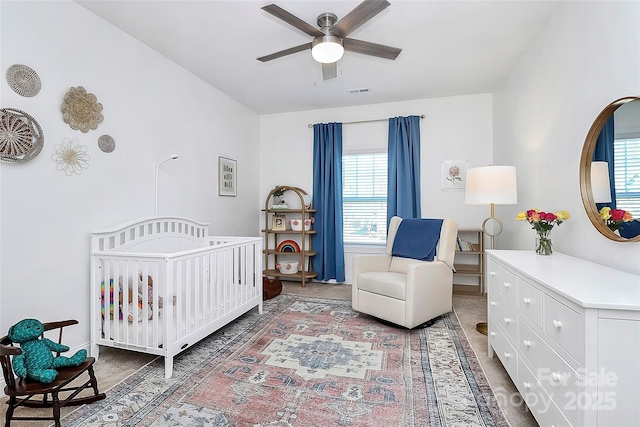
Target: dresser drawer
{"points": [[505, 351], [507, 286], [557, 377], [530, 301], [493, 272], [538, 401], [563, 325], [504, 315]]}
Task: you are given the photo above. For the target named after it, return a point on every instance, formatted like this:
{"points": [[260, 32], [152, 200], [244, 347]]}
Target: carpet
{"points": [[309, 362]]}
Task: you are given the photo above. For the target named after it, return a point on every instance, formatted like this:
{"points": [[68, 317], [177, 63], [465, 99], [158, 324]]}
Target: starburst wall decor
{"points": [[71, 156]]}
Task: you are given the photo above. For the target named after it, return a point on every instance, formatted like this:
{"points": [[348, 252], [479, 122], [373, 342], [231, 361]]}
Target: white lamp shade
{"points": [[327, 52], [491, 184], [600, 184]]}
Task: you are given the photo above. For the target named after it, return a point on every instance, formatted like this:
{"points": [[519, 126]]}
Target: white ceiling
{"points": [[449, 47]]}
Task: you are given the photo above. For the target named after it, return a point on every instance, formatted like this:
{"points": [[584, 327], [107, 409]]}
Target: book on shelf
{"points": [[464, 246]]}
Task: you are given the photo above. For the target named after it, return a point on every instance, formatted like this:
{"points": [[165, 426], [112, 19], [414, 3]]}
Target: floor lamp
{"points": [[491, 185], [600, 183], [171, 157]]}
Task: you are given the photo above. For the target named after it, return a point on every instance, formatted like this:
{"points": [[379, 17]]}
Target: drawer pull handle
{"points": [[526, 343], [506, 284], [493, 334], [493, 303], [557, 324], [556, 377], [492, 273], [507, 320], [507, 355], [526, 385], [526, 300]]}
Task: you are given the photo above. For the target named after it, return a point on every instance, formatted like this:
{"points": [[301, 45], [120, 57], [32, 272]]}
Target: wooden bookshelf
{"points": [[468, 278]]}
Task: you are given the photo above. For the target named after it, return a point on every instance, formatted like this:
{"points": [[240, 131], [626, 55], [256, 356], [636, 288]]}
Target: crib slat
{"points": [[179, 326]]}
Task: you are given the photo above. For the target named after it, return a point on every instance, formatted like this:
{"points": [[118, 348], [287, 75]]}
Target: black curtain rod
{"points": [[366, 121]]}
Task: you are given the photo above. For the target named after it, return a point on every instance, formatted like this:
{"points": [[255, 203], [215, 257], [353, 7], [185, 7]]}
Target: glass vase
{"points": [[543, 244]]}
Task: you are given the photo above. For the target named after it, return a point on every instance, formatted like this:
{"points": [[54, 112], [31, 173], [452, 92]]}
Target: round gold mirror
{"points": [[613, 179]]}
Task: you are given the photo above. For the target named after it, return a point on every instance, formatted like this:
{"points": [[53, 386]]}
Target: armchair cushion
{"points": [[417, 238], [385, 283]]}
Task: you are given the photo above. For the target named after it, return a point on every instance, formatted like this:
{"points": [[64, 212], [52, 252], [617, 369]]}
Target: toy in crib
{"points": [[110, 301], [130, 298]]}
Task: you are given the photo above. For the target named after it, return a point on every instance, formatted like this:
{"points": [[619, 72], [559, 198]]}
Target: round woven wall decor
{"points": [[81, 110], [106, 143], [21, 137], [23, 80]]}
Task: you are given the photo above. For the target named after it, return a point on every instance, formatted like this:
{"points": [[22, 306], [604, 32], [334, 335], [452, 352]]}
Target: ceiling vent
{"points": [[361, 90]]}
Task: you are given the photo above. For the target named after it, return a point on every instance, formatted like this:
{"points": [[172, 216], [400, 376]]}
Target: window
{"points": [[364, 193], [627, 174]]}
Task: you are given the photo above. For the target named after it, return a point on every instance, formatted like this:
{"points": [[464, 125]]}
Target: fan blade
{"points": [[373, 49], [329, 71], [358, 16], [293, 20], [285, 52]]}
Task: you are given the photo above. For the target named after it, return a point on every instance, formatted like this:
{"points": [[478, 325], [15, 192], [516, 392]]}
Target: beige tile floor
{"points": [[115, 365]]}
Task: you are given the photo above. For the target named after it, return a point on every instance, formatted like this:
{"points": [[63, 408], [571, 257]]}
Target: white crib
{"points": [[161, 284]]}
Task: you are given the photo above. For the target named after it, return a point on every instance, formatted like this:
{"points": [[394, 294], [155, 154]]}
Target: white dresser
{"points": [[568, 333]]}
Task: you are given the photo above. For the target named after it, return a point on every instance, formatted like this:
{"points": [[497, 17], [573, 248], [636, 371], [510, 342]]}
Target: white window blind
{"points": [[364, 180], [627, 174]]}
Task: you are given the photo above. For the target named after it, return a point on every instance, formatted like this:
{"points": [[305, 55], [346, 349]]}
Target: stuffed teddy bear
{"points": [[36, 361]]}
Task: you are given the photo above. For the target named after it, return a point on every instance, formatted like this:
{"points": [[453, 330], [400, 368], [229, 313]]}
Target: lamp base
{"points": [[483, 328]]}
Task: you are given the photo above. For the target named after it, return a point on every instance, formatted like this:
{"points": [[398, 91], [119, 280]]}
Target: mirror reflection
{"points": [[615, 171], [610, 171]]}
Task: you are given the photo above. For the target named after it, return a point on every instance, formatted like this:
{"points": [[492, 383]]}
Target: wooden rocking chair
{"points": [[22, 390]]}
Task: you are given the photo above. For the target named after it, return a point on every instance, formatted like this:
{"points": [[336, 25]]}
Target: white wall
{"points": [[455, 128], [588, 57], [152, 108]]}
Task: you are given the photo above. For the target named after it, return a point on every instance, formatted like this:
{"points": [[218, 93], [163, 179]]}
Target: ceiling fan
{"points": [[330, 40]]}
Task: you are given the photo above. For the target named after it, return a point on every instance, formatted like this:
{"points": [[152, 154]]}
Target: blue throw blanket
{"points": [[417, 238], [630, 229]]}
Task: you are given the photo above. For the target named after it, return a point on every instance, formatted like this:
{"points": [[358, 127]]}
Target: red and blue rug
{"points": [[309, 362]]}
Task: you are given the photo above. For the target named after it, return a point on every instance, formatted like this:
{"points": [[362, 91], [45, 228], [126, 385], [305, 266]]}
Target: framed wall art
{"points": [[454, 174], [227, 177]]}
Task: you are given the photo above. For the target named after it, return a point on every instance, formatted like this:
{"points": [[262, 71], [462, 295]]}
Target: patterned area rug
{"points": [[309, 362]]}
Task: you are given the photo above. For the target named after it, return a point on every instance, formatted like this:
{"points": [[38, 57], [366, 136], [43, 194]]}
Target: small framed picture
{"points": [[227, 177], [278, 223], [454, 174]]}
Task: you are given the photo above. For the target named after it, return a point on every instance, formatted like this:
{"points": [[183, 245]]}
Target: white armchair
{"points": [[406, 291]]}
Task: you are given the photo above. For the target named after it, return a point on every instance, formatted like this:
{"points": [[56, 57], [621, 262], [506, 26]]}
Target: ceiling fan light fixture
{"points": [[327, 49]]}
